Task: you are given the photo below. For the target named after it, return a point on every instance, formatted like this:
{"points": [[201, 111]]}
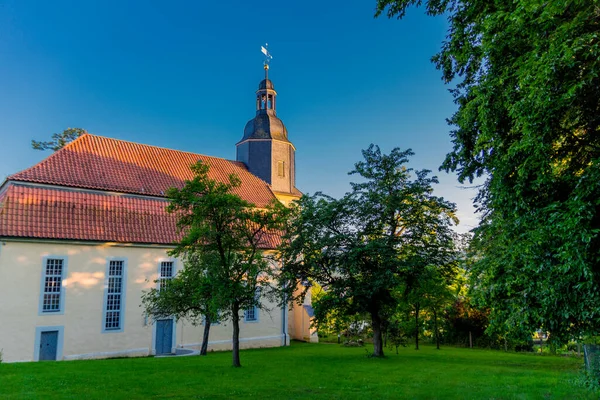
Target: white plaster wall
{"points": [[20, 283]]}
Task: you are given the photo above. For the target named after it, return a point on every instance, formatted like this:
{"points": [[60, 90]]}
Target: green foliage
{"points": [[588, 380], [59, 140], [397, 333], [188, 295], [321, 371], [527, 77], [350, 327], [365, 245], [222, 245], [461, 318]]}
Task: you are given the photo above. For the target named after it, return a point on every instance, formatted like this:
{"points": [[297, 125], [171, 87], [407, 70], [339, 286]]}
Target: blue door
{"points": [[48, 344], [164, 336]]}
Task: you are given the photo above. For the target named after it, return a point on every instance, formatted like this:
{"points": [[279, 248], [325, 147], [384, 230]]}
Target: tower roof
{"points": [[265, 126], [266, 84]]}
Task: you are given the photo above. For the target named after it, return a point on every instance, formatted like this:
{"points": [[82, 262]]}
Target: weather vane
{"points": [[268, 57]]}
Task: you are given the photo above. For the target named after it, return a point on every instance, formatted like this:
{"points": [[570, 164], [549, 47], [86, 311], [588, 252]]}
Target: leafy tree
{"points": [[397, 332], [463, 321], [59, 140], [527, 77], [188, 295], [363, 246], [432, 294], [227, 235]]}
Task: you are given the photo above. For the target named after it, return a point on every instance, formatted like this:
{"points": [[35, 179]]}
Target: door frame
{"points": [[59, 341], [173, 336]]}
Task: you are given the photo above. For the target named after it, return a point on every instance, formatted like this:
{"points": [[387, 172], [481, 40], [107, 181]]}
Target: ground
{"points": [[304, 371]]}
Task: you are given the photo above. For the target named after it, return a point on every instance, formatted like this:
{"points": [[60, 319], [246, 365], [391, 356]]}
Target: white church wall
{"points": [[81, 321]]}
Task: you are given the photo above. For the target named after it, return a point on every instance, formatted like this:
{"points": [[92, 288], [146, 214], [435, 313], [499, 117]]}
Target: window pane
{"points": [[166, 269], [250, 314], [165, 274], [114, 293], [52, 285]]}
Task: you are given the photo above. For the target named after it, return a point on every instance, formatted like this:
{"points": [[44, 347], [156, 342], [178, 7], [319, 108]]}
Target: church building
{"points": [[84, 232]]}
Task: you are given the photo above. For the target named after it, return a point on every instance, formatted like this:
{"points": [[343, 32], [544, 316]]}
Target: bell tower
{"points": [[265, 148]]}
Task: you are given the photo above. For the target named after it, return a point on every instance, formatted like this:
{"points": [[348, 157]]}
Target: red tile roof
{"points": [[50, 213], [96, 162]]}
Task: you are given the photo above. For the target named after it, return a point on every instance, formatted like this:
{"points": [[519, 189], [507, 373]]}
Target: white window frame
{"points": [[61, 293], [123, 294], [163, 279], [255, 310]]}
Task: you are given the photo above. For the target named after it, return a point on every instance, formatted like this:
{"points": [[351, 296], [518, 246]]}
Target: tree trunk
{"points": [[437, 333], [417, 309], [377, 336], [235, 311], [204, 348]]}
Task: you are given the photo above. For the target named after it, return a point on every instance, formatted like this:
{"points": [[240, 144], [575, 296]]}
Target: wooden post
{"points": [[470, 340]]}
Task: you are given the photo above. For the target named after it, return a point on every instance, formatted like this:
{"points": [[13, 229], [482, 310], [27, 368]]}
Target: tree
{"points": [[527, 77], [430, 293], [363, 246], [59, 140], [226, 235], [188, 295]]}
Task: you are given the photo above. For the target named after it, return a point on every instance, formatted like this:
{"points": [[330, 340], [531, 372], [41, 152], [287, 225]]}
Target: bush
{"points": [[354, 343], [524, 345]]}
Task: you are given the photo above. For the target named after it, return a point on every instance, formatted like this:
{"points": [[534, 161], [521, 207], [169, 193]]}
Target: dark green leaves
{"points": [[362, 247], [59, 140], [527, 76]]}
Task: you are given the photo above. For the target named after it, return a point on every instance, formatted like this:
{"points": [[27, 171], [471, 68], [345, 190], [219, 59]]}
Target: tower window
{"points": [[281, 168]]}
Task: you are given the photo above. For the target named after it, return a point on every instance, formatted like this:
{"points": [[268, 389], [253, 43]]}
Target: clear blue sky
{"points": [[182, 74]]}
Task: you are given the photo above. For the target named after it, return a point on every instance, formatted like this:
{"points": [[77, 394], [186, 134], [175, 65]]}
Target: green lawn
{"points": [[304, 371]]}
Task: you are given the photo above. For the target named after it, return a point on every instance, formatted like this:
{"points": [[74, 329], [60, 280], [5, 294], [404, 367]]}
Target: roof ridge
{"points": [[158, 147], [116, 165]]}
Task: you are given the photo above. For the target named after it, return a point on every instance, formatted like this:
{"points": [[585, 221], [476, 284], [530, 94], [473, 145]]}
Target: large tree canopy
{"points": [[222, 246], [527, 77], [374, 241]]}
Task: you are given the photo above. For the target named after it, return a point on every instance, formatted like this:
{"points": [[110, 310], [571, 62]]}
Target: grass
{"points": [[304, 371]]}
